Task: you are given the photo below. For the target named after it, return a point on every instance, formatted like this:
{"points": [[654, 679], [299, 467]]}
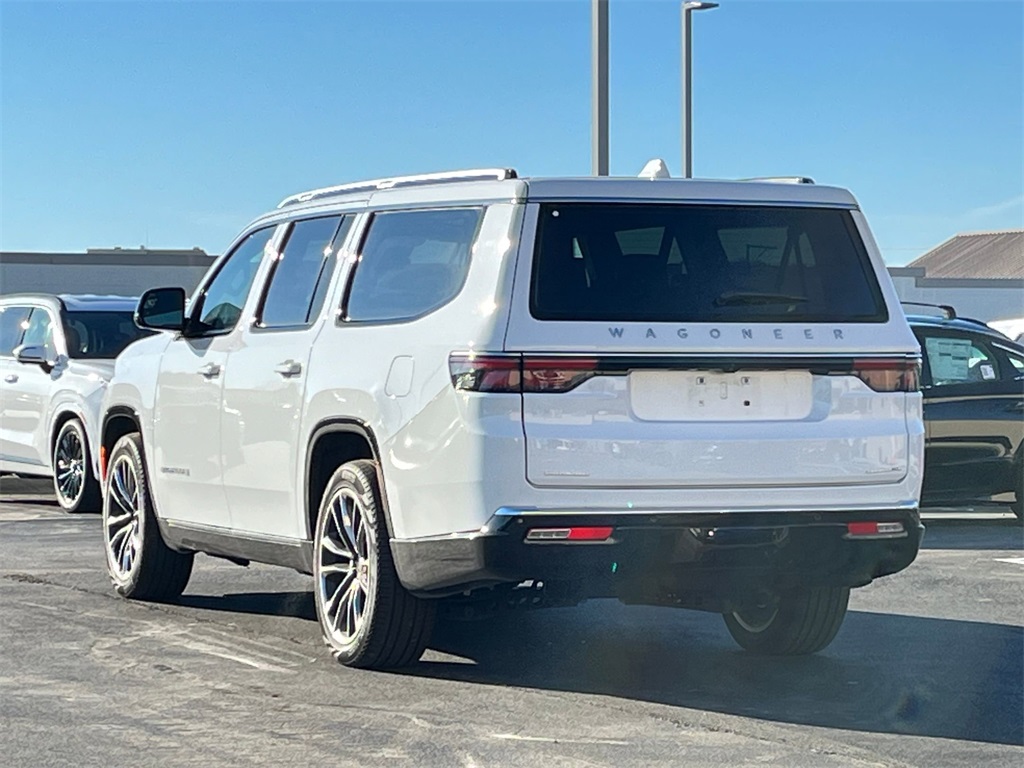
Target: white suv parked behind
{"points": [[498, 390], [56, 356]]}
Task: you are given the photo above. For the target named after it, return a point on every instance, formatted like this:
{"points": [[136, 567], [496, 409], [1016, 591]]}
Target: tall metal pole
{"points": [[599, 87], [688, 7], [687, 76]]}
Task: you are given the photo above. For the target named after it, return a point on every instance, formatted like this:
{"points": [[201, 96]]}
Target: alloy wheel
{"points": [[123, 518], [346, 570], [69, 466], [756, 619]]}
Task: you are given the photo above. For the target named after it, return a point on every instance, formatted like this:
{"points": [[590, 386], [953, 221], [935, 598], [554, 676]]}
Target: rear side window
{"points": [[959, 360], [1016, 363], [12, 324], [100, 335], [299, 281], [700, 263], [411, 263]]}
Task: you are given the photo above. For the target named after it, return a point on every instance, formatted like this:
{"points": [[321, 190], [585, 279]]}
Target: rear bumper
{"points": [[710, 557]]}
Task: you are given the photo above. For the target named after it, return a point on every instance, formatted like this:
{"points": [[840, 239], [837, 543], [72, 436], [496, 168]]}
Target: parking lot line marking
{"points": [[551, 740], [213, 650], [1011, 560]]}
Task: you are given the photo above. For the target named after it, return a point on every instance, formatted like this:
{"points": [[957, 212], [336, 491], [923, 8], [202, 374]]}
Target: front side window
{"points": [[412, 262], [959, 360], [701, 263], [298, 284], [13, 322], [220, 305], [39, 332], [99, 335]]}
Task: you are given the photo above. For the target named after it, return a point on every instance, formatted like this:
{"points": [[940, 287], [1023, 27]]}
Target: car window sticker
{"points": [[949, 358]]}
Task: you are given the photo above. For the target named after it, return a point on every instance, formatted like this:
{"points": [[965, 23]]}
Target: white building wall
{"points": [[100, 279], [125, 272], [982, 299]]}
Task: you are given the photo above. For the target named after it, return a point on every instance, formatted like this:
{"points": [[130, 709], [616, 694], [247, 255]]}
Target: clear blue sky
{"points": [[174, 124]]}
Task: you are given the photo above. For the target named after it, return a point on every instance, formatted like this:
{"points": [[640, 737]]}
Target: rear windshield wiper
{"points": [[735, 298]]}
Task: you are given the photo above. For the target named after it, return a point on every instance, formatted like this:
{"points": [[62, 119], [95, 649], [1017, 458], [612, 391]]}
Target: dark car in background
{"points": [[972, 379]]}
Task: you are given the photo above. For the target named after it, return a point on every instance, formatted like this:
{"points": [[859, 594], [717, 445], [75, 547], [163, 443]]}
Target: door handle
{"points": [[11, 378], [1017, 407], [209, 371], [288, 368]]}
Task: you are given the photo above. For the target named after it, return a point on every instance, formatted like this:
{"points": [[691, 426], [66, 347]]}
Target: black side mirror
{"points": [[32, 355], [162, 309]]}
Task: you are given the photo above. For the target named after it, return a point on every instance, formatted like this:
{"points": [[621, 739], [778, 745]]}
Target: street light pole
{"points": [[599, 87], [687, 75]]}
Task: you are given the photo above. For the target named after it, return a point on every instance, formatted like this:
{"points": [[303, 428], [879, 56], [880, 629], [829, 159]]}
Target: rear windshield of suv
{"points": [[100, 335], [701, 263]]}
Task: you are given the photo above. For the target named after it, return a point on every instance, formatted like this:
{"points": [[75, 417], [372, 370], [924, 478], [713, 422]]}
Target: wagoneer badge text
{"points": [[778, 334]]}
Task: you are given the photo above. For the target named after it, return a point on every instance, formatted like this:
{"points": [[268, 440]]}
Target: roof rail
{"points": [[948, 311], [783, 179], [473, 174]]}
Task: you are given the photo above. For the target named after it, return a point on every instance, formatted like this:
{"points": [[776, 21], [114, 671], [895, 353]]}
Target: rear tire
{"points": [[800, 623], [74, 484], [140, 564], [368, 618]]}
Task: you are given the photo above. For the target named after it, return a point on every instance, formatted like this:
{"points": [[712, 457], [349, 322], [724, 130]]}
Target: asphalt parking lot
{"points": [[927, 671]]}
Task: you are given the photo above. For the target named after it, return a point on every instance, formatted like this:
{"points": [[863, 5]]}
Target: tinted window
{"points": [[100, 335], [223, 299], [39, 332], [674, 263], [12, 324], [958, 360], [299, 282], [412, 262], [1016, 363]]}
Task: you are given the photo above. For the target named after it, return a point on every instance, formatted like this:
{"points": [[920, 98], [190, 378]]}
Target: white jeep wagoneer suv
{"points": [[483, 388]]}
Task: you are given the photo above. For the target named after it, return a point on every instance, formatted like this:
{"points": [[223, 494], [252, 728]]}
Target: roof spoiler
{"points": [[782, 179], [947, 310]]}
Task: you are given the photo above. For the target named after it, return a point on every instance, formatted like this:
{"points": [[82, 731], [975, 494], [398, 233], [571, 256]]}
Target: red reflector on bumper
{"points": [[599, 533], [875, 530], [862, 529], [577, 533]]}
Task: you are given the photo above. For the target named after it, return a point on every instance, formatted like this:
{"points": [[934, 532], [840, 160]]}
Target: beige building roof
{"points": [[997, 255]]}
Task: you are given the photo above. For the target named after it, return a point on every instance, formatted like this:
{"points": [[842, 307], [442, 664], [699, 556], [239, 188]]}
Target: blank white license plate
{"points": [[704, 396]]}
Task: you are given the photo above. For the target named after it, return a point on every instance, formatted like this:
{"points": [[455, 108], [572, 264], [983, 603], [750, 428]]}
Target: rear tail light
{"points": [[889, 375], [556, 375], [518, 373], [497, 372], [486, 373]]}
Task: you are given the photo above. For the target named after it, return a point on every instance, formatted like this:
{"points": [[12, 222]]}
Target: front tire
{"points": [[74, 484], [140, 564], [368, 618], [799, 623]]}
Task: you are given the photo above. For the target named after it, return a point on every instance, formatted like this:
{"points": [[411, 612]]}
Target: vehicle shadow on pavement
{"points": [[295, 604], [1005, 534], [884, 673]]}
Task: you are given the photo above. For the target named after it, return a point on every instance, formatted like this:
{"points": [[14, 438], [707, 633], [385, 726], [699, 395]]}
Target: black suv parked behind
{"points": [[973, 385]]}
